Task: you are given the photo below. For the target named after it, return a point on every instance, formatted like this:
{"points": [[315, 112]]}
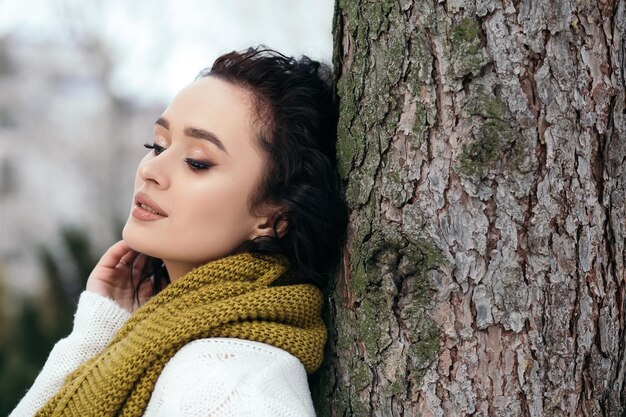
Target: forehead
{"points": [[213, 104]]}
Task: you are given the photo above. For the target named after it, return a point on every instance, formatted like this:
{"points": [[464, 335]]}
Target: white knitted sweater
{"points": [[216, 377]]}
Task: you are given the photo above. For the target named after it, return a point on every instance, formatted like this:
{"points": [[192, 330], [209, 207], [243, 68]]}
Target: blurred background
{"points": [[81, 84]]}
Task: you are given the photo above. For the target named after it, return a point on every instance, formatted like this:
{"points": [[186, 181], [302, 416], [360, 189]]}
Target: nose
{"points": [[152, 169]]}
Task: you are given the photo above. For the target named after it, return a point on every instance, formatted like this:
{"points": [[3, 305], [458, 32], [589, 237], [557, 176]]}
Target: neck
{"points": [[176, 269]]}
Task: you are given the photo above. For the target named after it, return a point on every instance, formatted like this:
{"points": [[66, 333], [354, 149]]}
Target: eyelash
{"points": [[193, 164], [156, 148], [197, 165]]}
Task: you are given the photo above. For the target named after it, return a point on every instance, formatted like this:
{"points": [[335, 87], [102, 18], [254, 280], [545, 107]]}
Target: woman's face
{"points": [[199, 177]]}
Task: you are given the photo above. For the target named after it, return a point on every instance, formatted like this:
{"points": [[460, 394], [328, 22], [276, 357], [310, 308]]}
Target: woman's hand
{"points": [[112, 276]]}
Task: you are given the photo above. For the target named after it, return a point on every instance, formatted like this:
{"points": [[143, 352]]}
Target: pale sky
{"points": [[158, 46]]}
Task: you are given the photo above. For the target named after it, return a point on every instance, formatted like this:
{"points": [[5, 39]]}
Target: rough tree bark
{"points": [[483, 144]]}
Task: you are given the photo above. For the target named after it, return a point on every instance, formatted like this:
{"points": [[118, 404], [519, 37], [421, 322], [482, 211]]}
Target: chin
{"points": [[137, 241]]}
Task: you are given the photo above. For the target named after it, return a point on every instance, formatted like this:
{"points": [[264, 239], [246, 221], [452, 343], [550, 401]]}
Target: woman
{"points": [[235, 223]]}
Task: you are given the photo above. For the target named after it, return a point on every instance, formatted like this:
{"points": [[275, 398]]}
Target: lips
{"points": [[144, 203]]}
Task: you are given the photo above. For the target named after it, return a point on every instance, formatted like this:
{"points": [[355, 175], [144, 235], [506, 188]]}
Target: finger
{"points": [[128, 258], [144, 293], [138, 263], [115, 254], [146, 289]]}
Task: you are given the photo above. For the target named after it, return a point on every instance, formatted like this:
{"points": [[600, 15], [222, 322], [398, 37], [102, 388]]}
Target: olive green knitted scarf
{"points": [[230, 297]]}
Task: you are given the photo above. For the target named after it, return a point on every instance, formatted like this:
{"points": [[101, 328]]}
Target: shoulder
{"points": [[225, 376]]}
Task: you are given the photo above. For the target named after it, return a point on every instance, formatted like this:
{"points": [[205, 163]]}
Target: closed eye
{"points": [[193, 163], [157, 148], [198, 165]]}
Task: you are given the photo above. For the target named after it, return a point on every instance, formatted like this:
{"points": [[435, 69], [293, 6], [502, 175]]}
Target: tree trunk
{"points": [[483, 145]]}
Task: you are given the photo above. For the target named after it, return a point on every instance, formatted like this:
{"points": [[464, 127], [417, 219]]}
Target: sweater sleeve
{"points": [[96, 320], [223, 377]]}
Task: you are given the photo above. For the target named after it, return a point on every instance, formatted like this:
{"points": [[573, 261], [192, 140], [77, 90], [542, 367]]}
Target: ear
{"points": [[275, 216]]}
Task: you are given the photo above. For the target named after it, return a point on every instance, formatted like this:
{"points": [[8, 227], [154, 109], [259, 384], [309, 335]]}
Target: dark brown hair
{"points": [[297, 114]]}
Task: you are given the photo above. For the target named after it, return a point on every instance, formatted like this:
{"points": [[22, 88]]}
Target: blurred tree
{"points": [[28, 336], [6, 66], [66, 274], [482, 143], [21, 355]]}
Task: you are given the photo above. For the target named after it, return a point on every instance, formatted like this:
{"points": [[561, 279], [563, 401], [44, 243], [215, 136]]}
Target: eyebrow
{"points": [[196, 133]]}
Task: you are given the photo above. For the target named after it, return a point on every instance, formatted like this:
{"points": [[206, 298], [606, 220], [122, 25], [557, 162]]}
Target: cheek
{"points": [[217, 208], [214, 215]]}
